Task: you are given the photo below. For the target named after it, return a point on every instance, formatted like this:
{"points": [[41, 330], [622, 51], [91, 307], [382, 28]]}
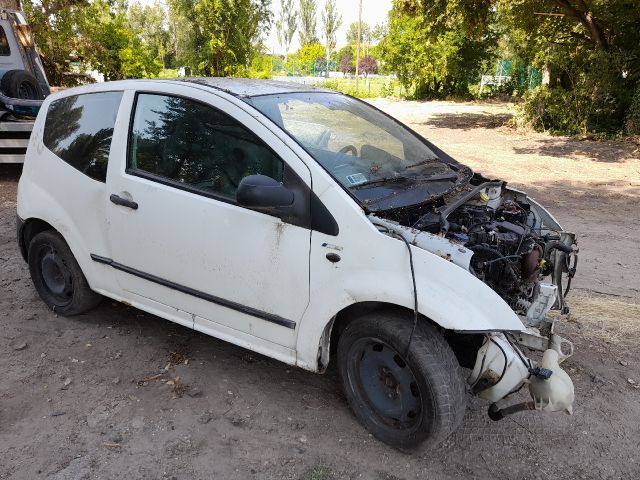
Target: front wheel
{"points": [[403, 398]]}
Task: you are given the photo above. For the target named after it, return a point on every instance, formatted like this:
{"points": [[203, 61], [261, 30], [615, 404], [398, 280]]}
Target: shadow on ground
{"points": [[467, 121], [612, 151]]}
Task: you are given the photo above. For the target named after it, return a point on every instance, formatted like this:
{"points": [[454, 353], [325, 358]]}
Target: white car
{"points": [[305, 225]]}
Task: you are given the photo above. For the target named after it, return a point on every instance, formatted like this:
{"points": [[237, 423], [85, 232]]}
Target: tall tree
{"points": [[149, 23], [307, 22], [222, 36], [95, 33], [286, 25], [331, 21]]}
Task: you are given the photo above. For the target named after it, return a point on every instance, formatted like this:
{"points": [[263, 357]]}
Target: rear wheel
{"points": [[402, 398], [57, 276]]}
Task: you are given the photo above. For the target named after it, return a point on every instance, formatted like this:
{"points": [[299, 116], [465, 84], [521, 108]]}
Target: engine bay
{"points": [[518, 248]]}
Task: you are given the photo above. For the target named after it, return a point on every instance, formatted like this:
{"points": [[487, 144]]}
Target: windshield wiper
{"points": [[424, 179], [422, 162]]}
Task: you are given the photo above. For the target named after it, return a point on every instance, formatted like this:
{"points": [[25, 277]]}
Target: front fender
{"points": [[447, 294]]}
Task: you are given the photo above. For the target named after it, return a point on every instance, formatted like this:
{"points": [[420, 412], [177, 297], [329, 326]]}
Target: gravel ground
{"points": [[120, 393]]}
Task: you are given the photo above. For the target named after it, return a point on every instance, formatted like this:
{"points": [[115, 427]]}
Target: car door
{"points": [[179, 239]]}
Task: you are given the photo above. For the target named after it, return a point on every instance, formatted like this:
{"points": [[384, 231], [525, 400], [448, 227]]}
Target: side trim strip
{"points": [[269, 317]]}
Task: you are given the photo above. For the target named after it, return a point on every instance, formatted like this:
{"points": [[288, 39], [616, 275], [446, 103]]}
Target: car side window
{"points": [[5, 51], [79, 129], [196, 145]]}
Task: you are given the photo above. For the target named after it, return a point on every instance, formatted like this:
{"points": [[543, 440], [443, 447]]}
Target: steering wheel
{"points": [[349, 148]]}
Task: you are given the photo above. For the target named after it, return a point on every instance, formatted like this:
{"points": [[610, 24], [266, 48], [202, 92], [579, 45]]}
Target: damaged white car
{"points": [[308, 226]]}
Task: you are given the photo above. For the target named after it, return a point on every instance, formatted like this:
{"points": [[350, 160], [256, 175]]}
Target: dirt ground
{"points": [[118, 393]]}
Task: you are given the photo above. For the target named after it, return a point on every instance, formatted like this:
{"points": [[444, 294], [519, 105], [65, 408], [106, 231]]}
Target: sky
{"points": [[373, 11]]}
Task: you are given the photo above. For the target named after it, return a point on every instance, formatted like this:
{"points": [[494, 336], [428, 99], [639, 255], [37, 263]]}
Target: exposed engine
{"points": [[510, 254], [515, 243]]}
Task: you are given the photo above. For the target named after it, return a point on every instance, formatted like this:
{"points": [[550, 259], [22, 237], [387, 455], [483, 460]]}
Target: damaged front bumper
{"points": [[502, 368]]}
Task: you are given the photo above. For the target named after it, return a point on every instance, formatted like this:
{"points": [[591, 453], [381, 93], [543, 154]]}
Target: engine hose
{"points": [[444, 213], [571, 272], [557, 244]]}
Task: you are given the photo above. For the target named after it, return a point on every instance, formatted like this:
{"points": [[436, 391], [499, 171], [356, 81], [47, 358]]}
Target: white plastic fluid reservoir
{"points": [[556, 393]]}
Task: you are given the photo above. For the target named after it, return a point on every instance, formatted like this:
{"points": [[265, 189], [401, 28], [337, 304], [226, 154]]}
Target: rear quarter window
{"points": [[79, 129]]}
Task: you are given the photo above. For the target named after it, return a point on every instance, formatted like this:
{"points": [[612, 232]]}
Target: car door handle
{"points": [[123, 202]]}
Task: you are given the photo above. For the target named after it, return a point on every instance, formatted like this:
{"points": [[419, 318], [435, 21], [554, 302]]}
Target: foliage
{"points": [[147, 22], [346, 64], [352, 33], [588, 49], [220, 36], [307, 31], [372, 87], [331, 21], [429, 61], [286, 25], [307, 57], [590, 52], [96, 34], [632, 121], [368, 65]]}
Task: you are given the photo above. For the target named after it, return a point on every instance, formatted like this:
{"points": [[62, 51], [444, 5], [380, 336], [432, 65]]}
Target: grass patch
{"points": [[367, 87], [318, 472], [607, 319]]}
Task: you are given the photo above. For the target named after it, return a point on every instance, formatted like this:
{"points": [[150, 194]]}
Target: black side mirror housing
{"points": [[263, 193]]}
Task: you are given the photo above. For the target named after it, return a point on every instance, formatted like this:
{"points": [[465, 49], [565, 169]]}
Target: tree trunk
{"points": [[10, 4], [581, 13]]}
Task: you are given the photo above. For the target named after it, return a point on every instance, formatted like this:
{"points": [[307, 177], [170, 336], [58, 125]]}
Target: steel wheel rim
{"points": [[56, 276], [385, 383], [26, 91]]}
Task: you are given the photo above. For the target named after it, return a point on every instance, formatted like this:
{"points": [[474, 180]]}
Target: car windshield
{"points": [[358, 145]]}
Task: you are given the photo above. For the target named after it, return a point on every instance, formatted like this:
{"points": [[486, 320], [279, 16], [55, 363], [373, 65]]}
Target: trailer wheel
{"points": [[21, 84], [403, 400]]}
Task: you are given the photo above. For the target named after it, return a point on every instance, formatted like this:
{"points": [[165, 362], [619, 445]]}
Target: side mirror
{"points": [[263, 193]]}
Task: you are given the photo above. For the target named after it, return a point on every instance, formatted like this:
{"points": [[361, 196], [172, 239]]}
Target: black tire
{"points": [[57, 276], [425, 390], [21, 84]]}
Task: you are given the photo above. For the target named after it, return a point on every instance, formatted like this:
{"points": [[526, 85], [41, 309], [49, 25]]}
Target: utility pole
{"points": [[358, 43]]}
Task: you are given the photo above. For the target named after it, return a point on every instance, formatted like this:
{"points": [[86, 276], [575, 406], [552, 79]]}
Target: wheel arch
{"points": [[27, 229], [464, 345]]}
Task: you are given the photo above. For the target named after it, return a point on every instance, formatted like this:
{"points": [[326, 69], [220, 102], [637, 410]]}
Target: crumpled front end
{"points": [[503, 368], [517, 248]]}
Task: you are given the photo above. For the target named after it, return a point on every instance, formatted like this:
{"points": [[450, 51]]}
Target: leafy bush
{"points": [[632, 121]]}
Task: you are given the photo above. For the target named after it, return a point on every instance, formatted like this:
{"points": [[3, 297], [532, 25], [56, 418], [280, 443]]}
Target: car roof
{"points": [[250, 87]]}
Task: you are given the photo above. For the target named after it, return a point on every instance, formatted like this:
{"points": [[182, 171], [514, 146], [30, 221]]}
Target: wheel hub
{"points": [[55, 274], [387, 383]]}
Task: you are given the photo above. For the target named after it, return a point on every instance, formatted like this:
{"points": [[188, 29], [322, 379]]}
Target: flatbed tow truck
{"points": [[23, 85]]}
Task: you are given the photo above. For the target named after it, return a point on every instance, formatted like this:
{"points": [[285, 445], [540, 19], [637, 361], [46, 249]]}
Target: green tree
{"points": [[331, 21], [108, 45], [286, 25], [148, 23], [307, 22], [352, 33], [94, 35], [308, 56], [588, 49], [53, 25], [432, 61], [219, 37]]}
